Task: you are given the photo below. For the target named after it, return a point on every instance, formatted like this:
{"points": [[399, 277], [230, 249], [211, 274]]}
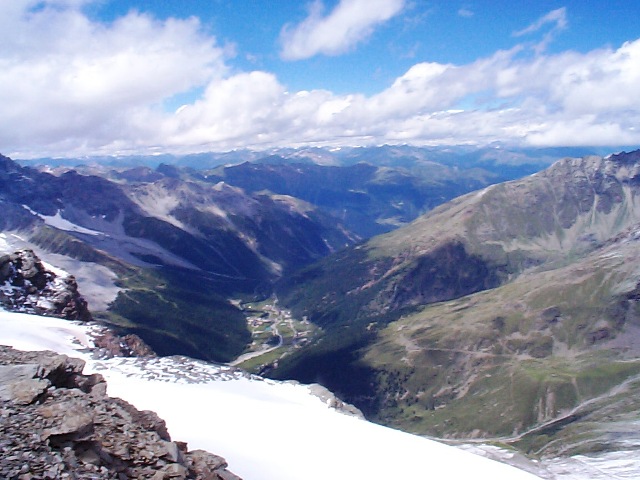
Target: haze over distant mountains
{"points": [[386, 155]]}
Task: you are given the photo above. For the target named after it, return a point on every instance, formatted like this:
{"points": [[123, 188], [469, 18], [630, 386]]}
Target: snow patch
{"points": [[62, 224], [7, 242], [158, 202], [55, 270]]}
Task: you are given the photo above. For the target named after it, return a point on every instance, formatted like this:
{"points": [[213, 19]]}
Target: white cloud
{"points": [[351, 22], [558, 18], [604, 81], [232, 109], [70, 86], [67, 80], [465, 12]]}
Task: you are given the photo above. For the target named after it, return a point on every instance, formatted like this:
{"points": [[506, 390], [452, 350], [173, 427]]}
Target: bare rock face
{"points": [[27, 286], [56, 422]]}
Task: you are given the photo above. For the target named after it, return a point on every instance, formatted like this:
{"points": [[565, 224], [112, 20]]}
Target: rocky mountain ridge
{"points": [[27, 286], [104, 437]]}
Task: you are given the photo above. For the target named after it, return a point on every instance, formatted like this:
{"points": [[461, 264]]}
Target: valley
{"points": [[176, 239], [274, 334], [443, 304]]}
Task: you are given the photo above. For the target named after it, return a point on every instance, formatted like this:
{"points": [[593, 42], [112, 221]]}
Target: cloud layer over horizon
{"points": [[73, 86]]}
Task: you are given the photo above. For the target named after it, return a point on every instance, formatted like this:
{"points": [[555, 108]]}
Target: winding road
{"points": [[250, 355]]}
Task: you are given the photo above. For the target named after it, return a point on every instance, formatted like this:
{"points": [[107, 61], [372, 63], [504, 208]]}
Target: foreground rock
{"points": [[27, 286], [56, 423]]}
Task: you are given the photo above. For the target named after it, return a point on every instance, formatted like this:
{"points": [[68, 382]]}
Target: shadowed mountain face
{"points": [[510, 312], [179, 248]]}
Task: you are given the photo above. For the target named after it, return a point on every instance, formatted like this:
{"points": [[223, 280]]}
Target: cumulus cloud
{"points": [[70, 86], [348, 24], [552, 100], [66, 79]]}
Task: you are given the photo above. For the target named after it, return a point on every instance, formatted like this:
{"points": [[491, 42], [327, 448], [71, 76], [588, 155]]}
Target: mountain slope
{"points": [[479, 240], [179, 249], [505, 360], [493, 315]]}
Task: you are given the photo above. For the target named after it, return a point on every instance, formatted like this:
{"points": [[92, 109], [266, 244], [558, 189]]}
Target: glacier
{"points": [[265, 429], [281, 430]]}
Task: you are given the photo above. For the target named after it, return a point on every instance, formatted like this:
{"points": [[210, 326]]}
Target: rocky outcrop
{"points": [[330, 399], [27, 286], [109, 345], [57, 423]]}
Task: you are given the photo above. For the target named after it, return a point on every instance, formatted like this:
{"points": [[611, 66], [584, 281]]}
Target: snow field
{"points": [[265, 430]]}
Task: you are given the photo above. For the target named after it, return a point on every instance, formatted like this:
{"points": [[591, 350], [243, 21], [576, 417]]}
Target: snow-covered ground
{"points": [[62, 224], [266, 430], [272, 430]]}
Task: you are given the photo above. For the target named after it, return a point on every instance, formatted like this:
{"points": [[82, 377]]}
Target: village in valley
{"points": [[275, 334]]}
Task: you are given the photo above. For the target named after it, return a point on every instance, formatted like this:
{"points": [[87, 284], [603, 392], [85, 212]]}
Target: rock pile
{"points": [[57, 423], [109, 345], [27, 286]]}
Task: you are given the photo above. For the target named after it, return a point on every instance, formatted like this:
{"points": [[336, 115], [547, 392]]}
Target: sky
{"points": [[121, 77]]}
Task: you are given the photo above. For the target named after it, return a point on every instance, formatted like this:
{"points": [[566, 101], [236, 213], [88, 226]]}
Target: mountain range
{"points": [[174, 244], [459, 302]]}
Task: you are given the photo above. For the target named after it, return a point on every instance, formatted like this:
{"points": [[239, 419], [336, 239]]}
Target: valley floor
{"points": [[275, 333]]}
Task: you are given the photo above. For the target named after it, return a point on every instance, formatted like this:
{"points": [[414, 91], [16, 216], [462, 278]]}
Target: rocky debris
{"points": [[109, 345], [174, 369], [57, 423], [27, 286]]}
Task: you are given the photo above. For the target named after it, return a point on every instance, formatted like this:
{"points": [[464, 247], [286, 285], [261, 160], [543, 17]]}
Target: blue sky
{"points": [[444, 31], [85, 77]]}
